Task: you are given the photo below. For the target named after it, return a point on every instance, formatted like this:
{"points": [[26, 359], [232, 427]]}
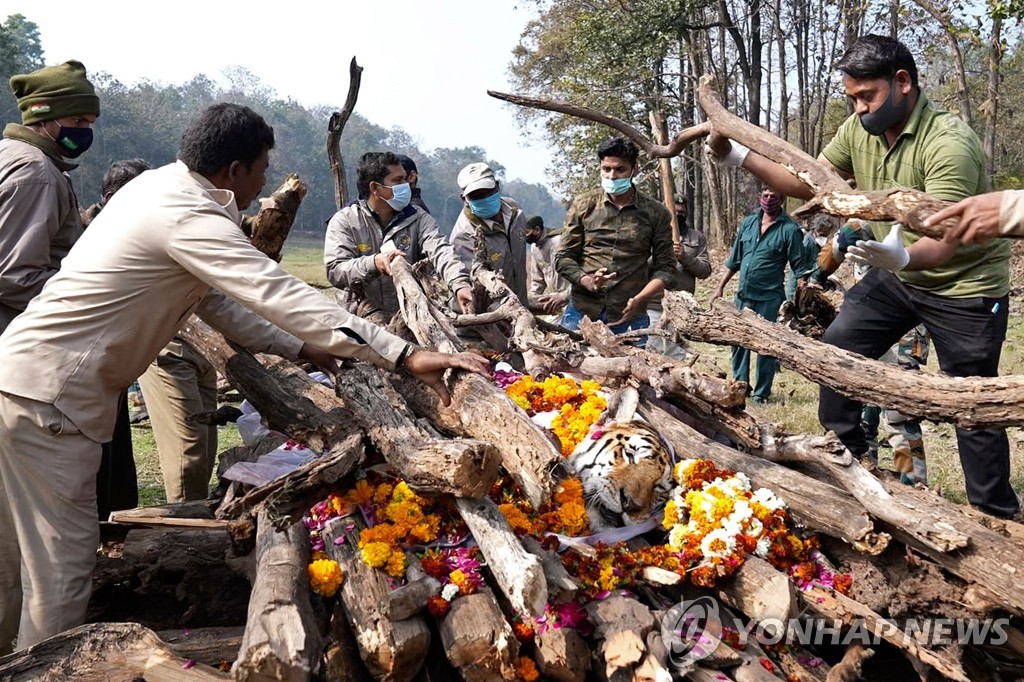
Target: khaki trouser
{"points": [[179, 383], [48, 527]]}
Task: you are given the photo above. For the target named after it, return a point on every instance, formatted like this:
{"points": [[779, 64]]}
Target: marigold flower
{"points": [[325, 577], [376, 554], [523, 631], [519, 522], [396, 564], [438, 607], [526, 669]]}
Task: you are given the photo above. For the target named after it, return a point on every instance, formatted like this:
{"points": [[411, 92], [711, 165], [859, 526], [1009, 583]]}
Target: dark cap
{"points": [[408, 164], [535, 221]]}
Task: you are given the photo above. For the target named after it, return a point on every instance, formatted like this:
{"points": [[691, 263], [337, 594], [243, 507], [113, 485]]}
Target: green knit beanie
{"points": [[55, 92]]}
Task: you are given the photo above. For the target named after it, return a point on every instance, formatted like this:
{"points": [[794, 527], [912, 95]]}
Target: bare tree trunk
{"points": [[995, 59], [894, 19], [949, 33]]}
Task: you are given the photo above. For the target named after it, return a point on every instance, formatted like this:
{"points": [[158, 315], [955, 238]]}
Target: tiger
{"points": [[626, 474]]}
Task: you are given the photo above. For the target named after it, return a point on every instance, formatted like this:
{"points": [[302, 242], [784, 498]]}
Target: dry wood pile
{"points": [[229, 582]]}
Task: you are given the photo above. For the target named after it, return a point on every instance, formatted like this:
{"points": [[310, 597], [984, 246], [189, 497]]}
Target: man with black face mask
{"points": [[896, 137], [767, 240], [39, 219]]}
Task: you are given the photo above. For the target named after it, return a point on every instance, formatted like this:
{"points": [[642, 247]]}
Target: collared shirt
{"points": [[355, 236], [148, 261], [499, 245], [540, 267], [635, 242], [939, 154], [761, 258], [39, 218]]}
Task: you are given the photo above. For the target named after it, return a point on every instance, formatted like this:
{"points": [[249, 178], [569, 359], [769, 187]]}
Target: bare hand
{"points": [[554, 302], [596, 282], [429, 367], [319, 357], [714, 297], [635, 307], [464, 296], [677, 250], [382, 261], [979, 219]]}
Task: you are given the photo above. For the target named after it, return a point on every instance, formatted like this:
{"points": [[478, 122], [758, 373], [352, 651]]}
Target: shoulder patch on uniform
{"points": [[362, 247]]}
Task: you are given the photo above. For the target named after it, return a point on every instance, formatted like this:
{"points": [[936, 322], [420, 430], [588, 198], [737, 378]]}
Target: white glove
{"points": [[734, 159], [888, 254]]}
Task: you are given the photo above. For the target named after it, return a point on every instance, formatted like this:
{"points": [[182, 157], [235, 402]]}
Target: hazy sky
{"points": [[427, 65]]}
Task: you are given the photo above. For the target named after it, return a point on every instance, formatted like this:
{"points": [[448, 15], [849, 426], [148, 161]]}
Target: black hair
{"points": [[875, 56], [222, 134], [536, 221], [373, 167], [407, 163], [619, 147], [120, 173]]}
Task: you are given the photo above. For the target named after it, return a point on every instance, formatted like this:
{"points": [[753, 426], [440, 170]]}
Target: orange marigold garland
{"points": [[578, 406]]}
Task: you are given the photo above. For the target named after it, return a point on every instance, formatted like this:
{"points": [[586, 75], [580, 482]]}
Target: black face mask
{"points": [[531, 238], [885, 116], [74, 142], [681, 218]]}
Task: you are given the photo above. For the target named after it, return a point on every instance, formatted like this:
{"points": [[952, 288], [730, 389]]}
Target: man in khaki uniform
{"points": [[363, 239], [163, 248], [984, 217], [549, 291], [39, 219], [490, 228]]}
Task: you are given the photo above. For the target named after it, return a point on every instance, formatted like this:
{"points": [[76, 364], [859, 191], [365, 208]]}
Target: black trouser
{"points": [[968, 334]]}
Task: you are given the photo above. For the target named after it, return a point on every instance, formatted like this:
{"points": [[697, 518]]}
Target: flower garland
{"points": [[565, 513], [715, 520], [578, 406], [399, 518]]}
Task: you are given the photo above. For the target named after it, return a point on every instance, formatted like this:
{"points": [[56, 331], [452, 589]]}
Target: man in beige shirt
{"points": [[164, 247], [984, 217]]}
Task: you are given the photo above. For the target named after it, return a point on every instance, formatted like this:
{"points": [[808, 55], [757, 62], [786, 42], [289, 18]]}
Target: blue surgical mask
{"points": [[616, 186], [402, 196], [488, 207], [74, 142]]}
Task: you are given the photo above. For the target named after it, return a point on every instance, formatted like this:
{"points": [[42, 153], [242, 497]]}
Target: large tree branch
{"points": [[334, 128], [673, 148]]}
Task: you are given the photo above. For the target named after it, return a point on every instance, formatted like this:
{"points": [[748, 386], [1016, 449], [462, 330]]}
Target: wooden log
{"points": [[165, 577], [562, 655], [291, 495], [971, 402], [562, 587], [621, 625], [411, 598], [479, 408], [103, 652], [817, 505], [197, 509], [477, 639], [392, 650], [272, 224], [341, 659], [206, 645], [427, 461], [518, 573], [335, 126], [281, 640], [760, 591], [992, 561], [832, 605]]}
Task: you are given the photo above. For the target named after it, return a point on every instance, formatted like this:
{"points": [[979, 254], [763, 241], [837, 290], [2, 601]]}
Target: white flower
{"points": [[762, 547], [717, 543], [767, 498], [754, 527], [449, 591], [681, 469], [677, 536], [741, 511], [737, 484]]}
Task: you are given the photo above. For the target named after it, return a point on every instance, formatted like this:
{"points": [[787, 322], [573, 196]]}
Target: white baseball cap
{"points": [[476, 176]]}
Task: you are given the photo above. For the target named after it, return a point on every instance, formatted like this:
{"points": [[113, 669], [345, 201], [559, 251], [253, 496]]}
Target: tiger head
{"points": [[626, 474]]}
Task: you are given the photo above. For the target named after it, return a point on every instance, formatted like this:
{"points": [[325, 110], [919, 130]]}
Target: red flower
{"points": [[438, 606]]}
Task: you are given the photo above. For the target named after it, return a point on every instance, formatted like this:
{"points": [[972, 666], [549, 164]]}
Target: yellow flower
{"points": [[671, 515], [325, 577], [362, 494], [519, 522], [570, 490], [573, 516], [376, 554], [396, 565]]}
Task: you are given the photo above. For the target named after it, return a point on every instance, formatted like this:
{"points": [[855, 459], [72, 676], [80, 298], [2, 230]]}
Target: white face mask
{"points": [[820, 240]]}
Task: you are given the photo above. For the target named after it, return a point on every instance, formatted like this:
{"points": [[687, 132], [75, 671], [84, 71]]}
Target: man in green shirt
{"points": [[766, 241], [610, 236], [896, 137]]}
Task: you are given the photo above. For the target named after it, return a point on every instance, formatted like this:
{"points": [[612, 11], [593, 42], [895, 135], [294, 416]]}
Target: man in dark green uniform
{"points": [[766, 241]]}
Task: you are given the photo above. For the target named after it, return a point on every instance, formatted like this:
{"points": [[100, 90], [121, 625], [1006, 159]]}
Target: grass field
{"points": [[794, 402]]}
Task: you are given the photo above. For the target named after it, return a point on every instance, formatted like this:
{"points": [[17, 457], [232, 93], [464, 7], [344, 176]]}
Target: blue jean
{"points": [[571, 320]]}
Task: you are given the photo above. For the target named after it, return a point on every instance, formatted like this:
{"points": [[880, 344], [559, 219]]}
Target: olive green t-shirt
{"points": [[939, 154]]}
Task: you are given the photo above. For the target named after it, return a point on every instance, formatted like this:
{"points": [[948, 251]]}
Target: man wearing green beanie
{"points": [[39, 218]]}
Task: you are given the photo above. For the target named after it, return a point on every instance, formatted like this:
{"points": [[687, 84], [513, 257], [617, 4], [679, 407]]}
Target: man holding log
{"points": [[164, 247], [984, 217], [896, 137]]}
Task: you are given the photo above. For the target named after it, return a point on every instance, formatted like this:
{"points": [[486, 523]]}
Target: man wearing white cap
{"points": [[496, 222]]}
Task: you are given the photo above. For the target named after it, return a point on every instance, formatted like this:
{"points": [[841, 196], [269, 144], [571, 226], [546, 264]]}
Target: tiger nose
{"points": [[627, 504]]}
